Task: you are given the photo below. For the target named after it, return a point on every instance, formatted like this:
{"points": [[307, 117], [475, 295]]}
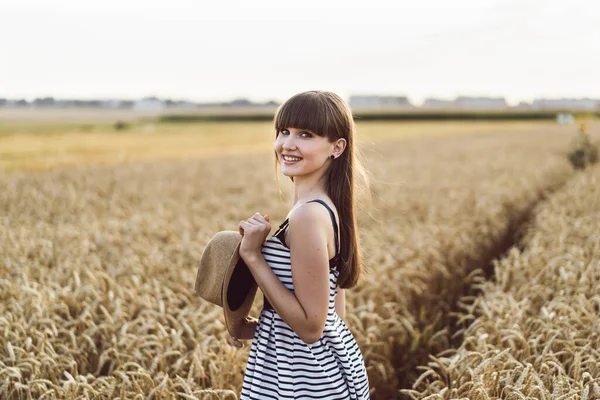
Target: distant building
{"points": [[481, 102], [112, 103], [523, 105], [467, 102], [568, 104], [149, 104], [240, 103], [179, 104], [379, 101], [44, 102], [438, 103]]}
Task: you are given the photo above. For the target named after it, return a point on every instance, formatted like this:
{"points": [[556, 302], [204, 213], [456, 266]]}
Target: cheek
{"points": [[277, 145], [318, 151]]}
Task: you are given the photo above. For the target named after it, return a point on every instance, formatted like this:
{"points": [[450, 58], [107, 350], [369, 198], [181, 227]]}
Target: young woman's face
{"points": [[301, 152]]}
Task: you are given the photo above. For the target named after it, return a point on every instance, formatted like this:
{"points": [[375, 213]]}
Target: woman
{"points": [[301, 347]]}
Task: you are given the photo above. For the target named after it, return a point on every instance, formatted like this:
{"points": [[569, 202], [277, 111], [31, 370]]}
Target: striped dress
{"points": [[283, 366]]}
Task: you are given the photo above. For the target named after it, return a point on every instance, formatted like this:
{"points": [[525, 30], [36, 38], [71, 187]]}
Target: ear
{"points": [[339, 146]]}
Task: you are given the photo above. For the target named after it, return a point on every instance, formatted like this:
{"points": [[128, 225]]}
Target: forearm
{"points": [[281, 298]]}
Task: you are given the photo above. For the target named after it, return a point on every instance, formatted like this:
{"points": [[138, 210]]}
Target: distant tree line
{"points": [[52, 102], [154, 102]]}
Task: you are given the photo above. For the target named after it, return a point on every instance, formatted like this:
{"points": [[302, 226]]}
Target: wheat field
{"points": [[38, 145], [537, 331], [98, 259]]}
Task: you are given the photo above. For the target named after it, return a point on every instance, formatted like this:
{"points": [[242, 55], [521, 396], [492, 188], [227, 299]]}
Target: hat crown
{"points": [[213, 265], [224, 279]]}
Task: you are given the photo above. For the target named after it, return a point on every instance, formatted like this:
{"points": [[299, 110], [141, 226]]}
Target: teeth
{"points": [[289, 158]]}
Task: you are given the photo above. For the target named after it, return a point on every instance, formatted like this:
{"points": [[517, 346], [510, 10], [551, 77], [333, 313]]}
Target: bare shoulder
{"points": [[309, 231], [309, 216], [310, 227]]}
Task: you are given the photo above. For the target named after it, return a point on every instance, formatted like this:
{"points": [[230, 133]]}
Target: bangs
{"points": [[308, 111]]}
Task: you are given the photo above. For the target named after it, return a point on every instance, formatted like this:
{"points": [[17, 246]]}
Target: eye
{"points": [[284, 131], [305, 134]]}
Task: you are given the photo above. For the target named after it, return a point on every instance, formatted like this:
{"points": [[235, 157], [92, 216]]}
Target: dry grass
{"points": [[97, 262]]}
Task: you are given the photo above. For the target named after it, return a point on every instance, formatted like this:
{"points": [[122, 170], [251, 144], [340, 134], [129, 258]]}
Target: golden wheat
{"points": [[97, 265], [536, 332]]}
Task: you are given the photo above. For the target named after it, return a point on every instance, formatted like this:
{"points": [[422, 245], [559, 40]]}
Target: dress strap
{"points": [[335, 226]]}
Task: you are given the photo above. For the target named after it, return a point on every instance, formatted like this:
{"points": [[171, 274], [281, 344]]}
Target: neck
{"points": [[307, 188]]}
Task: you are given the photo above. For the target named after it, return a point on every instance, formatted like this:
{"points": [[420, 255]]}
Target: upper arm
{"points": [[308, 240], [340, 303]]}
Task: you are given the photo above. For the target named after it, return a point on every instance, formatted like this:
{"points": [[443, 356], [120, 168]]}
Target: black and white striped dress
{"points": [[283, 366]]}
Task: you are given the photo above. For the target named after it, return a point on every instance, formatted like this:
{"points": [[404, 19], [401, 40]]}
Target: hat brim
{"points": [[239, 290]]}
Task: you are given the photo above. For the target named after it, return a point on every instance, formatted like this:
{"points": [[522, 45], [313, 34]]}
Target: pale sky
{"points": [[262, 50]]}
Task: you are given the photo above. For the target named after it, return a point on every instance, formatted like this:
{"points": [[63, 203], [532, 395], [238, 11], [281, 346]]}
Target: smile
{"points": [[291, 159]]}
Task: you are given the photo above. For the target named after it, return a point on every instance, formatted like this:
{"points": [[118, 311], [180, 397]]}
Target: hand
{"points": [[254, 232], [247, 332]]}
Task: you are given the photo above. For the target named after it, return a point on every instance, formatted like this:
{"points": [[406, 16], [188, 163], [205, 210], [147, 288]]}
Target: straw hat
{"points": [[224, 279]]}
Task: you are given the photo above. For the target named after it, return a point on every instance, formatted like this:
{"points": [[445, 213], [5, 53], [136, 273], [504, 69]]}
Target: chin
{"points": [[290, 172]]}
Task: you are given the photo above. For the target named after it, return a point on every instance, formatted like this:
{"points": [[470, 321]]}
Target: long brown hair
{"points": [[327, 115]]}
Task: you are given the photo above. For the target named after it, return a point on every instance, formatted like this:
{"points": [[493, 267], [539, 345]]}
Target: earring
{"points": [[332, 156]]}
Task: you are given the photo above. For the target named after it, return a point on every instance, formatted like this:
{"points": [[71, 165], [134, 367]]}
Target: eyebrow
{"points": [[301, 130]]}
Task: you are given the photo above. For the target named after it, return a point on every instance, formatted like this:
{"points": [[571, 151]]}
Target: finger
{"points": [[245, 225], [254, 216], [257, 222], [254, 221], [260, 218], [263, 219]]}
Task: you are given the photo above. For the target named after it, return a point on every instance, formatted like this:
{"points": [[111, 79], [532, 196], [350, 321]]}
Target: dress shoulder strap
{"points": [[335, 226]]}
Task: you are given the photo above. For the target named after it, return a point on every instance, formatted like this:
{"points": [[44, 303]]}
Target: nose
{"points": [[288, 143]]}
